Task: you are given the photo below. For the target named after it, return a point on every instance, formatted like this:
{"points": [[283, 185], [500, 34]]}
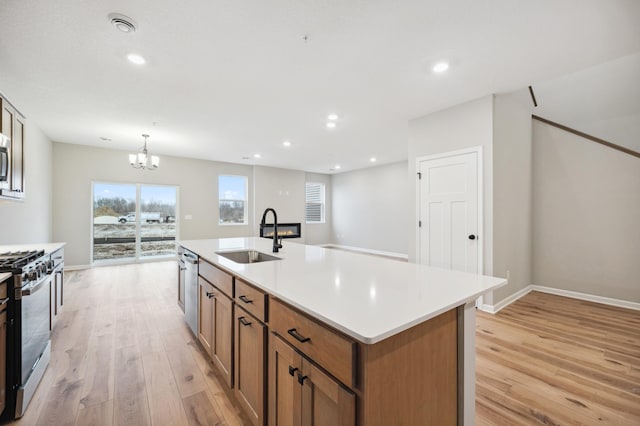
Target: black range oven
{"points": [[28, 333]]}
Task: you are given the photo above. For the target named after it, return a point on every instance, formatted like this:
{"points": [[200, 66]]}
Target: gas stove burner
{"points": [[17, 259]]}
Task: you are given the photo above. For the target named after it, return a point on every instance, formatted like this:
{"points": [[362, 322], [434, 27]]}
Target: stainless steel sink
{"points": [[247, 256]]}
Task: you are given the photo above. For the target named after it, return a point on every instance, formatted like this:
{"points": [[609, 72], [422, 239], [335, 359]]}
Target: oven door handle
{"points": [[30, 289]]}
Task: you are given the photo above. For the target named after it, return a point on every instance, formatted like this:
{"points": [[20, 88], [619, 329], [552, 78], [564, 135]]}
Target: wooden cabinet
{"points": [[205, 314], [250, 368], [3, 344], [332, 351], [302, 394], [12, 124], [222, 344], [215, 321]]}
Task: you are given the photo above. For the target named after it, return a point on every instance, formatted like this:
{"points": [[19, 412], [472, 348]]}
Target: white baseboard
{"points": [[588, 297], [492, 309], [368, 251], [76, 267]]}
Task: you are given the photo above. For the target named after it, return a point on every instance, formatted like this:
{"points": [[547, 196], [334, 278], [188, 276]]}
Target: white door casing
{"points": [[450, 210]]}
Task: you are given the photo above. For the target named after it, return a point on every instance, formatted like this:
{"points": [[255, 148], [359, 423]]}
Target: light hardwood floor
{"points": [[123, 355], [558, 361]]}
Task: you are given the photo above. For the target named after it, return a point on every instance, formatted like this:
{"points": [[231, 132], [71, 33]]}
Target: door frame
{"points": [[480, 226], [137, 259]]}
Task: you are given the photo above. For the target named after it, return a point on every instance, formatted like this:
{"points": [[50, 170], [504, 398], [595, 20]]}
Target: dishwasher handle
{"points": [[190, 258]]}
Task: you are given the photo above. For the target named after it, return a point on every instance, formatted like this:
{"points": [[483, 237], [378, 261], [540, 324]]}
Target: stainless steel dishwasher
{"points": [[191, 290]]}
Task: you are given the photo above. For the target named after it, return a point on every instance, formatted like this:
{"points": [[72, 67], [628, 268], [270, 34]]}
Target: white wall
{"points": [[76, 166], [512, 199], [321, 233], [586, 205], [284, 190], [29, 221], [462, 126], [371, 207]]}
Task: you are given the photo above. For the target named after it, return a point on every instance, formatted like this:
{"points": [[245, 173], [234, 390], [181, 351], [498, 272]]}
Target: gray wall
{"points": [[463, 126], [29, 221], [512, 199], [284, 190], [586, 205], [76, 166], [371, 207]]}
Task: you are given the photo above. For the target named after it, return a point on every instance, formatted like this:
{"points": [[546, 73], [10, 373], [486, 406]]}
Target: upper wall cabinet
{"points": [[12, 125]]}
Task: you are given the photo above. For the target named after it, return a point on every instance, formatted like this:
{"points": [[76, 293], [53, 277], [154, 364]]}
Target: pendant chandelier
{"points": [[142, 160]]}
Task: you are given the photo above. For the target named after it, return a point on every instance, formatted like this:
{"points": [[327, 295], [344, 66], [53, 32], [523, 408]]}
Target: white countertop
{"points": [[47, 247], [366, 297]]}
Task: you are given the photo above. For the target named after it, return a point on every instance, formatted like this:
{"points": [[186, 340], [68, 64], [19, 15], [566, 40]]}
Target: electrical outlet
{"points": [[188, 217]]}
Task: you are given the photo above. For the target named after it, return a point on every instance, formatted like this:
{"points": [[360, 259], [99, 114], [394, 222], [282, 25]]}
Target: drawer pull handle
{"points": [[292, 371], [245, 299], [244, 321], [297, 336], [301, 378]]}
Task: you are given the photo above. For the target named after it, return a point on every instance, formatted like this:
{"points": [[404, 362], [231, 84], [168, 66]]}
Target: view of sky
{"points": [[163, 194], [232, 187]]}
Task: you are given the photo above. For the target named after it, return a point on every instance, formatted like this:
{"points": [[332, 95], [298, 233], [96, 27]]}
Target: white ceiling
{"points": [[602, 100], [227, 79]]}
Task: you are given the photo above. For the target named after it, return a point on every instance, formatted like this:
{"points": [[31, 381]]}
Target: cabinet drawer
{"points": [[217, 277], [3, 290], [251, 299], [330, 350]]}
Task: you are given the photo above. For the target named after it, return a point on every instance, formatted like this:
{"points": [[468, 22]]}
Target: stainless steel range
{"points": [[28, 334]]}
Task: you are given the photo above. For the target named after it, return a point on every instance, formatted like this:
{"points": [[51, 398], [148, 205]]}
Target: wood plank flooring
{"points": [[123, 355], [553, 360]]}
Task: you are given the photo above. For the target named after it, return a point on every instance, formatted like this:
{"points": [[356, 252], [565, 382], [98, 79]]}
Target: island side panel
{"points": [[412, 377]]}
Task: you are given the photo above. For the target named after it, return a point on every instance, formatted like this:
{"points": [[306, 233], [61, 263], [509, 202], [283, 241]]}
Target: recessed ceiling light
{"points": [[337, 167], [257, 156], [136, 59], [331, 124], [373, 159], [440, 67], [103, 138], [286, 143], [332, 117]]}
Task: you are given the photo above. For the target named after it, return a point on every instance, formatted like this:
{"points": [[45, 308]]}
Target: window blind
{"points": [[314, 211]]}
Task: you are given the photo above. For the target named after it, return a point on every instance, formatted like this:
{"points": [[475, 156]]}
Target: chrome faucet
{"points": [[276, 245]]}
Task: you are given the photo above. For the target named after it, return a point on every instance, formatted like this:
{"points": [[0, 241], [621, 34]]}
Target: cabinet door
{"points": [[3, 360], [324, 401], [222, 349], [17, 155], [6, 128], [285, 392], [205, 318], [250, 365], [181, 270], [52, 306]]}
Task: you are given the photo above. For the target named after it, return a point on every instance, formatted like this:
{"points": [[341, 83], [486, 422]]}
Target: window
{"points": [[133, 221], [314, 211], [232, 197]]}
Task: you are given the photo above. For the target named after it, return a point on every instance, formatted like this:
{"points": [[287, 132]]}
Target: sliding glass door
{"points": [[133, 221]]}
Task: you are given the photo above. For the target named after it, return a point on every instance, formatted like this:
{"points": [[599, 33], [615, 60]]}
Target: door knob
{"points": [[472, 237]]}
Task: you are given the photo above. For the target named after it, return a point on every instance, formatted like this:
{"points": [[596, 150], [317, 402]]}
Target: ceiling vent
{"points": [[122, 23]]}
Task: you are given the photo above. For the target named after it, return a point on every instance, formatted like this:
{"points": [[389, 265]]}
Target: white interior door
{"points": [[449, 202]]}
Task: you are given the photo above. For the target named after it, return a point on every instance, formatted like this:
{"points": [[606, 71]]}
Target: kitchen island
{"points": [[339, 336]]}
